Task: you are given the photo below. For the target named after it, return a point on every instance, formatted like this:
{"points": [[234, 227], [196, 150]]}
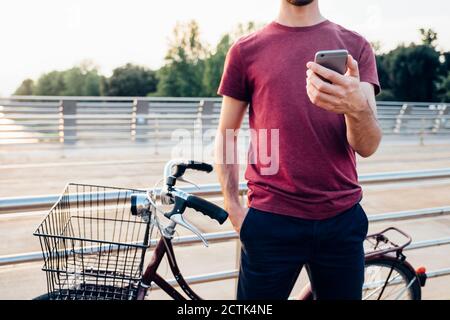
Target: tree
{"points": [[429, 37], [376, 46], [444, 84], [182, 75], [383, 75], [445, 67], [82, 80], [130, 80], [214, 66], [413, 72], [50, 84], [25, 89], [444, 89]]}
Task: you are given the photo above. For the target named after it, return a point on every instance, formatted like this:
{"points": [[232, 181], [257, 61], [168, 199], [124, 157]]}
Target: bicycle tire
{"points": [[43, 297], [406, 272]]}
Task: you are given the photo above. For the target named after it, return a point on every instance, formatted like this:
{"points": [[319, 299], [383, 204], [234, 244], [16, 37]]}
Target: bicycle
{"points": [[95, 239]]}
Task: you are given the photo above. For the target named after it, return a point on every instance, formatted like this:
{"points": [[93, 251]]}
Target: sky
{"points": [[45, 35]]}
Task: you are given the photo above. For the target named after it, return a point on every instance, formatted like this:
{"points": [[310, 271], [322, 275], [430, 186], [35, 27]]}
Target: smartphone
{"points": [[335, 60]]}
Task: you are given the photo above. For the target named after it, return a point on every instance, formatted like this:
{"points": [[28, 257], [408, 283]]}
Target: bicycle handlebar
{"points": [[184, 200], [174, 170], [207, 208]]}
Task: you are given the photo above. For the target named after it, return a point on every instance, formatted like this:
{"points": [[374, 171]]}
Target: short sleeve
{"points": [[368, 67], [234, 79]]}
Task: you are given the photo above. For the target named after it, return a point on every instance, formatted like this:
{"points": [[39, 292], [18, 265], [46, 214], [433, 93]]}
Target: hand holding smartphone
{"points": [[335, 60]]}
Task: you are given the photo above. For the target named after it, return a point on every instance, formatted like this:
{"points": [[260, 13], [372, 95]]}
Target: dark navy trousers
{"points": [[275, 248]]}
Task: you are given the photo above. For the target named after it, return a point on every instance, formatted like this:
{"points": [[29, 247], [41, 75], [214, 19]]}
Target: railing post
{"points": [[422, 132], [206, 114], [405, 110], [68, 125], [443, 110], [157, 135], [139, 127]]}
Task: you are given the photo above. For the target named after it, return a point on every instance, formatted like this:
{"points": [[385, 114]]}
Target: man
{"points": [[308, 212]]}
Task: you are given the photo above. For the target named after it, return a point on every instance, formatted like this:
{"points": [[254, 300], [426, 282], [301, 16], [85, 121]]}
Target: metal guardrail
{"points": [[70, 120], [231, 235], [22, 204]]}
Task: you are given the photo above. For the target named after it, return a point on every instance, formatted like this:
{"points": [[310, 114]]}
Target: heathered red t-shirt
{"points": [[317, 176]]}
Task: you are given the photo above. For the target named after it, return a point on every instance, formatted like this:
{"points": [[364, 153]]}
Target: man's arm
{"points": [[227, 164], [363, 130], [347, 95]]}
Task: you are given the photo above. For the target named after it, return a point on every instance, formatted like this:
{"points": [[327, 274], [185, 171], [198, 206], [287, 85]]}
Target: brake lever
{"points": [[182, 179], [178, 219]]}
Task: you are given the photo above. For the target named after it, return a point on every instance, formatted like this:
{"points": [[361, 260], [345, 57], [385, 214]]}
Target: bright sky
{"points": [[44, 35]]}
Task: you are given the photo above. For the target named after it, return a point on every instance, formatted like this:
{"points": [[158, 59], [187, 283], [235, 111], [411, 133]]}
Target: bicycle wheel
{"points": [[390, 279], [44, 297]]}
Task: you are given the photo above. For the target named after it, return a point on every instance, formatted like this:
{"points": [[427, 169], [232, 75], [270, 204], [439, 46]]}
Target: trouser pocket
{"points": [[365, 219], [245, 223]]}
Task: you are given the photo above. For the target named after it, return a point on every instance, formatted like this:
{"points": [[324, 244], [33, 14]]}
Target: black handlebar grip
{"points": [[207, 208], [192, 165], [200, 166]]}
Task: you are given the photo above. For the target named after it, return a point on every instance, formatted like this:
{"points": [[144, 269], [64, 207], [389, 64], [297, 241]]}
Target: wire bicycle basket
{"points": [[93, 247]]}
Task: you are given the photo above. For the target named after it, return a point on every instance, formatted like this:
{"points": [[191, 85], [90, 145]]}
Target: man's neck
{"points": [[305, 16]]}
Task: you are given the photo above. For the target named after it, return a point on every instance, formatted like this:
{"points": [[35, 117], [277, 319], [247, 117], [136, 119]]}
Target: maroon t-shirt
{"points": [[317, 176]]}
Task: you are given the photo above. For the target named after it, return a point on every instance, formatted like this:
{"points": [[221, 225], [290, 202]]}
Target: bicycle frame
{"points": [[150, 276]]}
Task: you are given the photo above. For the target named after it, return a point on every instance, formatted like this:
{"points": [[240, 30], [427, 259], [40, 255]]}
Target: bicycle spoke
{"points": [[385, 282]]}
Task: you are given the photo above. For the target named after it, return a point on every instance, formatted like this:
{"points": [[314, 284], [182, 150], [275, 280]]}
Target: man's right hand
{"points": [[237, 214]]}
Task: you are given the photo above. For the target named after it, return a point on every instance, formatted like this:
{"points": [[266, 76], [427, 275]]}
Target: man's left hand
{"points": [[343, 95]]}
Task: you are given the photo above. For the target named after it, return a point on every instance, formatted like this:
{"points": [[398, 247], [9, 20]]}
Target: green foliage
{"points": [[25, 89], [182, 74], [415, 72], [82, 80], [50, 84], [191, 70], [429, 37], [444, 89], [445, 68], [130, 80], [383, 75], [214, 65], [411, 73]]}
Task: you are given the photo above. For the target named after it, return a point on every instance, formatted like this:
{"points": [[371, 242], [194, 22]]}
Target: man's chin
{"points": [[300, 3]]}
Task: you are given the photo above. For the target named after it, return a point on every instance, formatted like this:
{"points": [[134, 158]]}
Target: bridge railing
{"points": [[70, 120]]}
